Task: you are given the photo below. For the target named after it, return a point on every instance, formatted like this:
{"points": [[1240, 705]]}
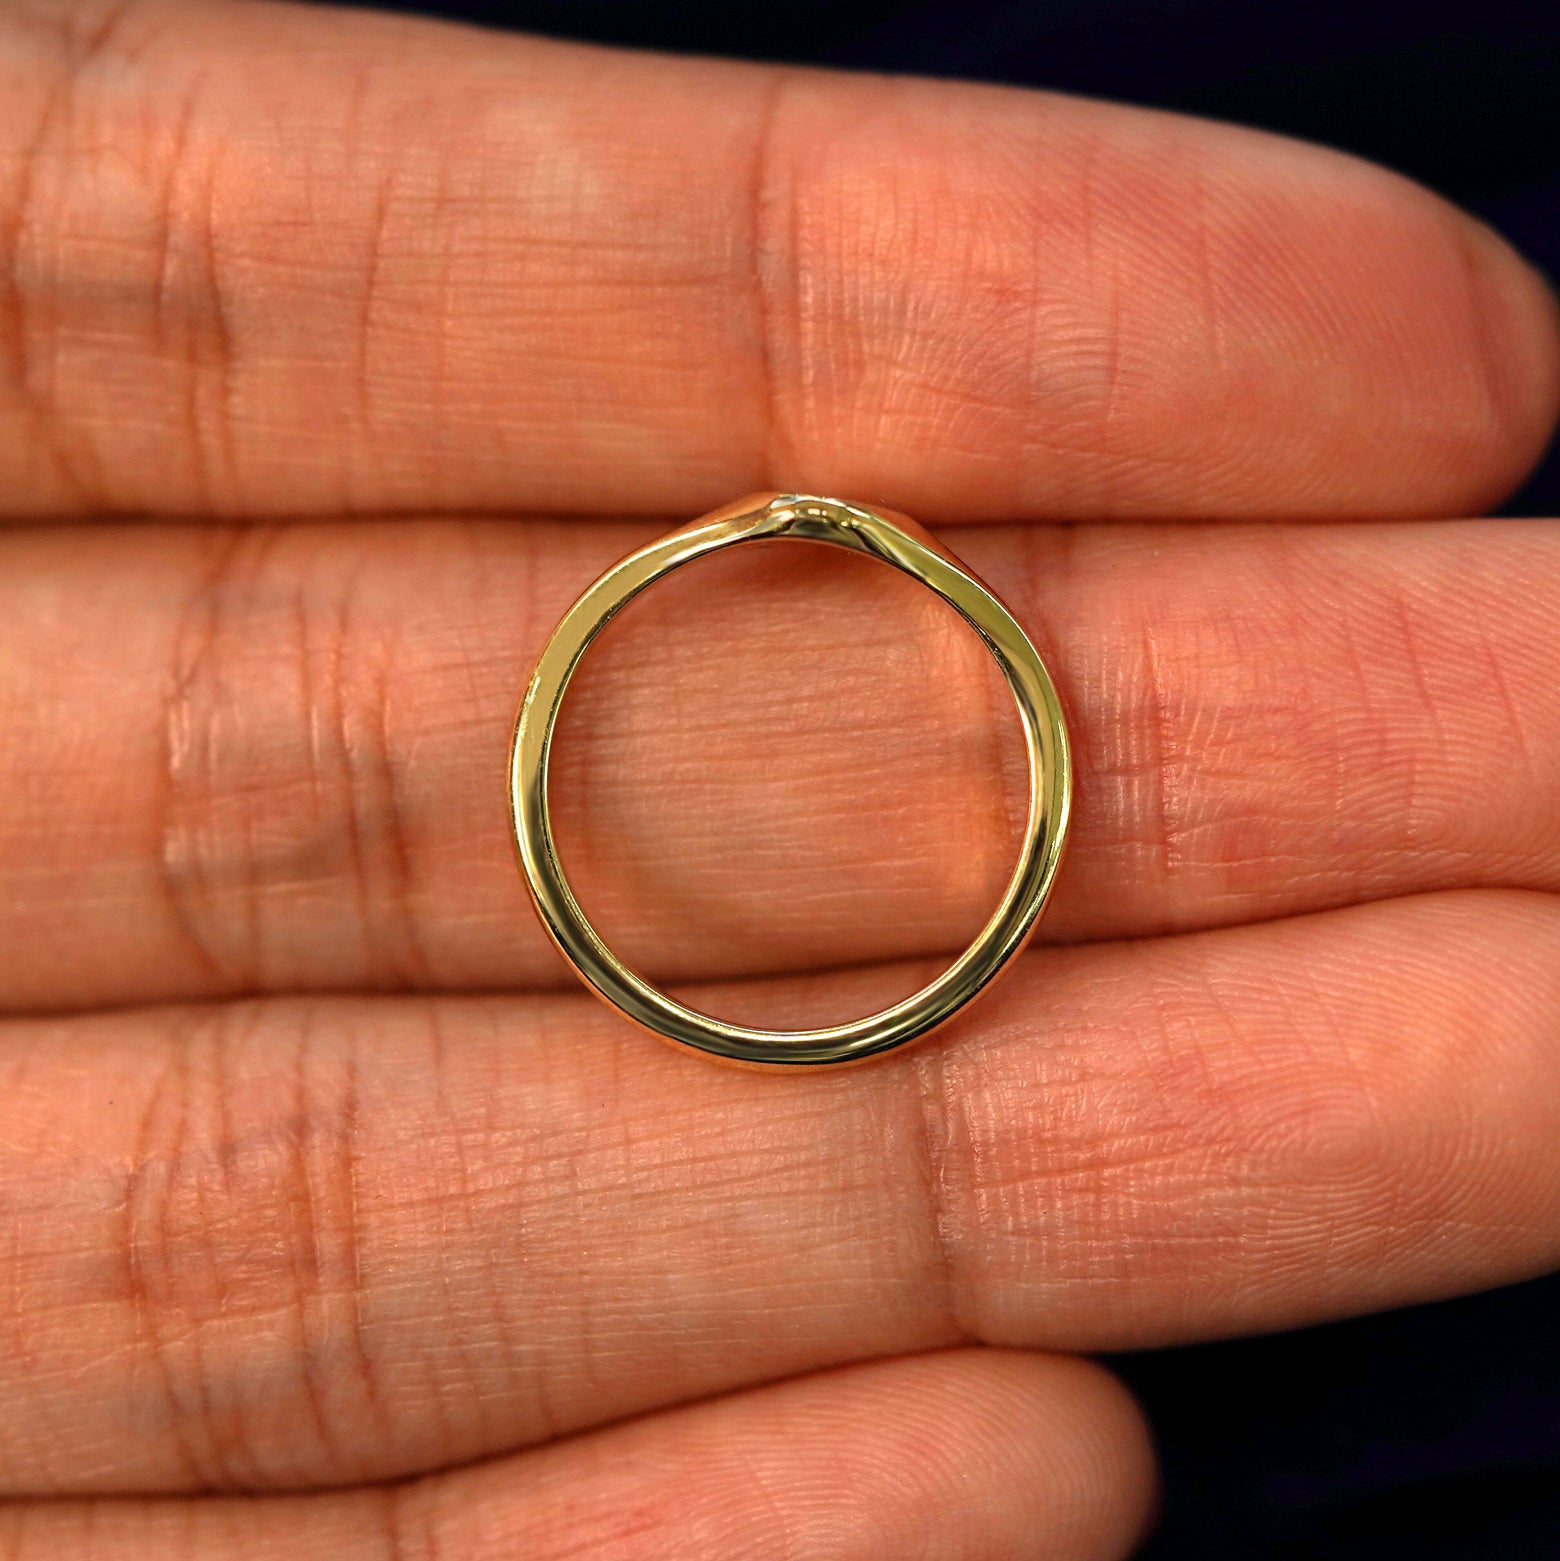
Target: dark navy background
{"points": [[1433, 1433]]}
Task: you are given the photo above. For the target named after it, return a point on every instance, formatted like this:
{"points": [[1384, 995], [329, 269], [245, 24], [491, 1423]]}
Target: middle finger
{"points": [[274, 760]]}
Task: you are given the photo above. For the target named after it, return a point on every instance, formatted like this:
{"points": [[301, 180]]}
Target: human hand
{"points": [[317, 1170]]}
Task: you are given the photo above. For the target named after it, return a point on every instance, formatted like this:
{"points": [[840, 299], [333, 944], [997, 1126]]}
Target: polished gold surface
{"points": [[895, 540]]}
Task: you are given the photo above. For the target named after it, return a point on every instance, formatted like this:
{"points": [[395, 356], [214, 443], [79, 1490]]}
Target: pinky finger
{"points": [[958, 1455]]}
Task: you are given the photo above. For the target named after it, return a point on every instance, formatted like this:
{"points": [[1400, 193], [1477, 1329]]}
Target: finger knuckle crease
{"points": [[136, 173], [232, 1229], [280, 778]]}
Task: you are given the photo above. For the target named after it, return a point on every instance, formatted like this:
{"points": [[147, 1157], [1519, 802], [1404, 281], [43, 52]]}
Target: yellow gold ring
{"points": [[896, 540]]}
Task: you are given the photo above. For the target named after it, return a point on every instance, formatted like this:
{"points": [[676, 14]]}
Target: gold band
{"points": [[896, 540]]}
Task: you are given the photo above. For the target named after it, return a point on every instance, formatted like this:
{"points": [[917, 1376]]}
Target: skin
{"points": [[337, 354]]}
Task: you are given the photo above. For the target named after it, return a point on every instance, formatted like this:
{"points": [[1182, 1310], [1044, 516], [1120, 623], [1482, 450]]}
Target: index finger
{"points": [[273, 260]]}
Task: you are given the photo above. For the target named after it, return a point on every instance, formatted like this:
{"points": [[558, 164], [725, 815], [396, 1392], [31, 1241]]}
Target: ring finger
{"points": [[304, 1241]]}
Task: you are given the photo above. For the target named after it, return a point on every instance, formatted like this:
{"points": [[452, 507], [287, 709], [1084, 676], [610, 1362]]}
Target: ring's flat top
{"points": [[898, 541]]}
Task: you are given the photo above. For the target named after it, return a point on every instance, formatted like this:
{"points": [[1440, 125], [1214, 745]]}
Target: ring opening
{"points": [[793, 777]]}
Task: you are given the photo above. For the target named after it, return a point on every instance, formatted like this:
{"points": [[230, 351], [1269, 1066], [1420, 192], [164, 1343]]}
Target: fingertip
{"points": [[954, 1455], [1030, 1444], [1128, 314], [1115, 1466], [1516, 319]]}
